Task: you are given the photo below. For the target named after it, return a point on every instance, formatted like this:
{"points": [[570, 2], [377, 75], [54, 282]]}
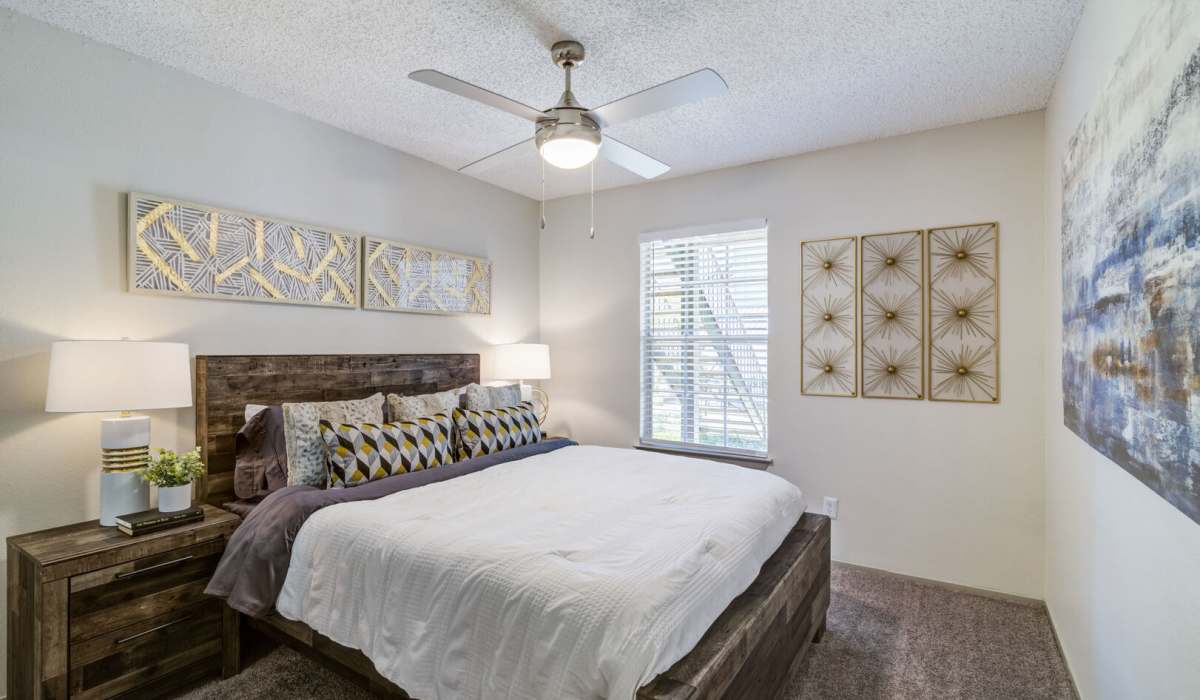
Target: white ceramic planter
{"points": [[173, 498]]}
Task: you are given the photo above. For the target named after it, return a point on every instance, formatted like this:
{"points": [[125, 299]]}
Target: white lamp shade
{"points": [[117, 375], [522, 361]]}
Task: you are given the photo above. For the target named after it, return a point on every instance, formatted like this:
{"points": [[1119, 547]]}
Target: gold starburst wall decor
{"points": [[892, 372], [888, 314], [893, 323], [829, 317], [828, 263], [963, 253], [892, 258], [830, 371], [964, 313], [965, 374]]}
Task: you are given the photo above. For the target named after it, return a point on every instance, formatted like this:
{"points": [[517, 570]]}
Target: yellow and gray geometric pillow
{"points": [[362, 452], [485, 432]]}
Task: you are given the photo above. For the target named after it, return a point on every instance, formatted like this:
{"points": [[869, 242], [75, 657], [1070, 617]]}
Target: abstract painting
{"points": [[964, 301], [829, 317], [1131, 261], [403, 277], [892, 322], [195, 250]]}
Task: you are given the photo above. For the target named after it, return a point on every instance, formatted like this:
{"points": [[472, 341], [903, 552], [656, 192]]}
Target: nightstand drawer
{"points": [[117, 596], [172, 644]]}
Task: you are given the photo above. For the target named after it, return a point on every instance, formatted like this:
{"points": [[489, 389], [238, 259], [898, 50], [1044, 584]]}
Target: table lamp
{"points": [[94, 376], [521, 361]]}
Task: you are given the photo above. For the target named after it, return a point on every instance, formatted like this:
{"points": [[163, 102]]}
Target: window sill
{"points": [[756, 461]]}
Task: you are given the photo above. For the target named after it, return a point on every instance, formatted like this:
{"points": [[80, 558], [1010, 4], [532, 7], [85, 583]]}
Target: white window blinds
{"points": [[704, 338]]}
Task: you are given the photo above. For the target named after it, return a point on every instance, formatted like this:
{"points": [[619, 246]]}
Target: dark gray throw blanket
{"points": [[255, 565]]}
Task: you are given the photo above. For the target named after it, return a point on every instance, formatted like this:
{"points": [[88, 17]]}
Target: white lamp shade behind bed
{"points": [[93, 376], [523, 361]]}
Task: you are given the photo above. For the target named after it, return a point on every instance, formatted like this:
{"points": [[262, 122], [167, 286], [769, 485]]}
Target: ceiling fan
{"points": [[569, 135]]}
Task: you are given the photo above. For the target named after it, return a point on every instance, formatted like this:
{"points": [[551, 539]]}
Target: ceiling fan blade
{"points": [[631, 158], [680, 91], [462, 88], [513, 152]]}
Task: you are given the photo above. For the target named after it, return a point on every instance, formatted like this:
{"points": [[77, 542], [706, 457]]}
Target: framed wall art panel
{"points": [[964, 313], [1131, 261], [892, 318], [195, 250], [405, 277], [829, 317]]}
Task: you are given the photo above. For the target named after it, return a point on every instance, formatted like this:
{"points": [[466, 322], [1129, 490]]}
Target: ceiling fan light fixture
{"points": [[569, 153], [568, 146]]}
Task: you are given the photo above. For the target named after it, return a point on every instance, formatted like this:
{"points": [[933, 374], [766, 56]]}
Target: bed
{"points": [[747, 651]]}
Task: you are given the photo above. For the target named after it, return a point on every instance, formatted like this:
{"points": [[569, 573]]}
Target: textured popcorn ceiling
{"points": [[803, 74]]}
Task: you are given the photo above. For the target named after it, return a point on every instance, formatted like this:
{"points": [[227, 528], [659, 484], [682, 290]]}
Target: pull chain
{"points": [[592, 178], [543, 216]]}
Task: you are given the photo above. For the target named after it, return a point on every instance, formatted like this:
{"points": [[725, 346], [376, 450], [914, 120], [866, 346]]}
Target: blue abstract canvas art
{"points": [[1131, 261]]}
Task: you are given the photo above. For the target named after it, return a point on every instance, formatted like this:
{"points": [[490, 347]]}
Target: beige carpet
{"points": [[895, 638], [889, 637]]}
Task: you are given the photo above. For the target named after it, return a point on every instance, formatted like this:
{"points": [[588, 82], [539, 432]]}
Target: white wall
{"points": [[80, 125], [1122, 564], [939, 490]]}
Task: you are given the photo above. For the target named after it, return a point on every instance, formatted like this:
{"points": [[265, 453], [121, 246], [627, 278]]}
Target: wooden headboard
{"points": [[226, 383]]}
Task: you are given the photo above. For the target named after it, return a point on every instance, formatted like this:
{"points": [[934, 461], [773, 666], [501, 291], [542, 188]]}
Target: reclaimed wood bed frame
{"points": [[749, 651]]}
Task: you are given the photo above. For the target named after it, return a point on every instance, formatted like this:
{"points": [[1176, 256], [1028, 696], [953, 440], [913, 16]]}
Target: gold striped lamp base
{"points": [[125, 458]]}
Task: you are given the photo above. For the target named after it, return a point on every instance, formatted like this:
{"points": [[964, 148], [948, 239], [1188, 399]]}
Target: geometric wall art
{"points": [[403, 277], [829, 317], [964, 296], [892, 320], [194, 250], [1131, 261]]}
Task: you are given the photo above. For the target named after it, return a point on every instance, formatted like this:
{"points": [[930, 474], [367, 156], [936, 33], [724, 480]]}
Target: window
{"points": [[704, 339]]}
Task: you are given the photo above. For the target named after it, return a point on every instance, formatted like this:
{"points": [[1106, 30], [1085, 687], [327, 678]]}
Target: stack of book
{"points": [[153, 520]]}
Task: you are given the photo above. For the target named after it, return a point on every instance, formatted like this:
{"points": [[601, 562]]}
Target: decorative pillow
{"points": [[493, 430], [483, 398], [413, 407], [253, 409], [364, 452], [305, 448], [260, 448]]}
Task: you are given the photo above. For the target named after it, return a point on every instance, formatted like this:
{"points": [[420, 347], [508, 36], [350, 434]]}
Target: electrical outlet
{"points": [[831, 507]]}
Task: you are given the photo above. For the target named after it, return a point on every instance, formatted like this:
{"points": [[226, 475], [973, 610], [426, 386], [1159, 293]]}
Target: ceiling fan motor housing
{"points": [[567, 122]]}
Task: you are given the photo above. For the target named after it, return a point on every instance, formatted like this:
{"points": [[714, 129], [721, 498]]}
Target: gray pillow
{"points": [[485, 398], [302, 433], [422, 405], [260, 464]]}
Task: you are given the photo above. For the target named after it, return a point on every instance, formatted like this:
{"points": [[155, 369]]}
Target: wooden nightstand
{"points": [[93, 613]]}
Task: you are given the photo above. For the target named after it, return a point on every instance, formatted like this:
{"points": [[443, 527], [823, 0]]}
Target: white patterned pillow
{"points": [[485, 432], [362, 452], [413, 407], [302, 433], [483, 398]]}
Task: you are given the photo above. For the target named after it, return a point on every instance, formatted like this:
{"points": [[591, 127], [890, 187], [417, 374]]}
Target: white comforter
{"points": [[579, 573]]}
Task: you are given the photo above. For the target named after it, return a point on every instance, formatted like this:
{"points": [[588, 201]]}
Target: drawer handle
{"points": [[165, 625], [139, 572]]}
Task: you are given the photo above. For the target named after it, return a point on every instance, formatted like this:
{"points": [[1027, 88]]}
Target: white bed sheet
{"points": [[579, 573]]}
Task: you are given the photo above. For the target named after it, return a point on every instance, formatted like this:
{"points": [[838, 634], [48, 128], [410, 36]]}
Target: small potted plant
{"points": [[173, 474]]}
